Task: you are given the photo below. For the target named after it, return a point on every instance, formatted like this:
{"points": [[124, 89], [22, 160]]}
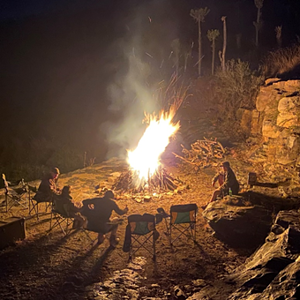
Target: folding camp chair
{"points": [[15, 193], [182, 220], [89, 231], [140, 233], [36, 201], [60, 217], [90, 228]]}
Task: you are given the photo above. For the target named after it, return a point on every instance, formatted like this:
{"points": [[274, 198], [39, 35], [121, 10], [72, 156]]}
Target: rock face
{"points": [[276, 123], [272, 272], [237, 222]]}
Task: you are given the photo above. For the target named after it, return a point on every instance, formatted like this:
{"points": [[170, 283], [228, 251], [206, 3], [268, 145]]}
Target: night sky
{"points": [[66, 72]]}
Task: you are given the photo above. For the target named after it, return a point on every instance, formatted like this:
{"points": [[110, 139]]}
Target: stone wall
{"points": [[276, 125]]}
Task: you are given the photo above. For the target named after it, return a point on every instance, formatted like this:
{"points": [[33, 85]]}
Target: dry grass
{"points": [[282, 61]]}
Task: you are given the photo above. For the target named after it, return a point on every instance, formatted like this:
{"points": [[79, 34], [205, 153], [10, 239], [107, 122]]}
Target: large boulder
{"points": [[273, 270], [237, 222], [285, 285]]}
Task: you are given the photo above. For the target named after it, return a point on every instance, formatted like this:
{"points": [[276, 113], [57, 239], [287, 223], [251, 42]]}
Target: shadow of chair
{"points": [[141, 233], [61, 217], [181, 222], [16, 193]]}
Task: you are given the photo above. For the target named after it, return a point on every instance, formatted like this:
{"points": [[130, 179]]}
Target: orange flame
{"points": [[145, 159]]}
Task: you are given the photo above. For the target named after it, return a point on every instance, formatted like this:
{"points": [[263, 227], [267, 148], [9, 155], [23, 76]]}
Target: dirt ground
{"points": [[49, 265]]}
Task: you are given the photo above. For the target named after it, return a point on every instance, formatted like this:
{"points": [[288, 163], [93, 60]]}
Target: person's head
{"points": [[54, 172], [226, 165], [66, 190], [109, 194]]}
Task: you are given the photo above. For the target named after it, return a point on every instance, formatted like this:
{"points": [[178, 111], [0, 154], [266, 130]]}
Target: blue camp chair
{"points": [[182, 222], [140, 233]]}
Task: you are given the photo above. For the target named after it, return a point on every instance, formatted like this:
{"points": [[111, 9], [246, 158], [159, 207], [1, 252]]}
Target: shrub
{"points": [[236, 88], [284, 62]]}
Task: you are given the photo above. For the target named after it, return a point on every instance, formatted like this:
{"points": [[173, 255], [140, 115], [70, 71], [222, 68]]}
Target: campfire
{"points": [[146, 172]]}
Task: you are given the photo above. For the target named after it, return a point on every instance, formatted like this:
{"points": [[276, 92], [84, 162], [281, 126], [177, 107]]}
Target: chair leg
{"points": [[6, 203], [51, 216], [154, 249], [37, 211]]}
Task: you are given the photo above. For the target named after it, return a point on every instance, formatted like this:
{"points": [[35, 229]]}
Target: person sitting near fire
{"points": [[64, 205], [48, 188], [218, 178], [98, 212], [230, 183], [64, 202]]}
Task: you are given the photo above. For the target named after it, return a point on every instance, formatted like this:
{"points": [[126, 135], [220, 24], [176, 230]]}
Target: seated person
{"points": [[230, 182], [48, 189], [63, 203], [98, 212]]}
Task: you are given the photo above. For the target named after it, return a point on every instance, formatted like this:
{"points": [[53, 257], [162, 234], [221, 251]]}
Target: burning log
{"points": [[203, 153], [130, 181]]}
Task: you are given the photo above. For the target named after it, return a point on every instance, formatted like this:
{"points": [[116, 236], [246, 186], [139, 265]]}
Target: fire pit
{"points": [[158, 182]]}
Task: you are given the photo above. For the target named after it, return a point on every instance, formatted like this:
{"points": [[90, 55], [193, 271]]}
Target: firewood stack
{"points": [[203, 153], [160, 181]]}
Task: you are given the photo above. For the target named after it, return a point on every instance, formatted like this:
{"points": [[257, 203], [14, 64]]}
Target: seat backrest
{"points": [[185, 213], [5, 183], [60, 207], [141, 224], [18, 185]]}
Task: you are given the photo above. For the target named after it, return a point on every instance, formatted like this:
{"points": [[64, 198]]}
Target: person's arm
{"points": [[225, 185], [118, 210], [87, 202], [215, 179]]}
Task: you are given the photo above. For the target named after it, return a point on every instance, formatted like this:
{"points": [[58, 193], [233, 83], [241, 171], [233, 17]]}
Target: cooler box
{"points": [[11, 230]]}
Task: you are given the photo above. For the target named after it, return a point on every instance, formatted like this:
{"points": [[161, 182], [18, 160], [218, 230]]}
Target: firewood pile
{"points": [[160, 181], [203, 153]]}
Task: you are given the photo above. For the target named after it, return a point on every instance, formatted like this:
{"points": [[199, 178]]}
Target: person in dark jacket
{"points": [[64, 202], [230, 183], [98, 212], [48, 188]]}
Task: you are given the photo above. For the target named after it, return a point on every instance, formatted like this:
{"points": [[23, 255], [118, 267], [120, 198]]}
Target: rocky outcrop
{"points": [[276, 124], [237, 222], [272, 272]]}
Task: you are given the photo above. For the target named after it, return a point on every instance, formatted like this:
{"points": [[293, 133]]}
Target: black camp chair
{"points": [[141, 233], [16, 193], [36, 201], [182, 222], [60, 217]]}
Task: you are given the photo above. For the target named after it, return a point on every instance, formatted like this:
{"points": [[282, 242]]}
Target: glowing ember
{"points": [[145, 159]]}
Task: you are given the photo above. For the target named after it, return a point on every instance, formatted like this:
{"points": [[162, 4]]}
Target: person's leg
{"points": [[101, 238], [221, 179], [215, 195], [113, 235]]}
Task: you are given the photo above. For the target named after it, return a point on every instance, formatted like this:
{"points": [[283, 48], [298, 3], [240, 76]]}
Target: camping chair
{"points": [[182, 220], [15, 193], [34, 204], [89, 229], [60, 217], [140, 233]]}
